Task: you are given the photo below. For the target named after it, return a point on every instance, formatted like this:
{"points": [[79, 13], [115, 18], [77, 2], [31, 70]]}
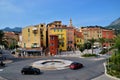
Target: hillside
{"points": [[115, 25]]}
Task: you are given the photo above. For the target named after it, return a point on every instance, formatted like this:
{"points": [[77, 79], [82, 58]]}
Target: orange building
{"points": [[70, 38], [97, 32], [91, 32]]}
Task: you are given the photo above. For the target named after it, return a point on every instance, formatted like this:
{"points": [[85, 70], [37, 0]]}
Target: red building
{"points": [[53, 44], [108, 34]]}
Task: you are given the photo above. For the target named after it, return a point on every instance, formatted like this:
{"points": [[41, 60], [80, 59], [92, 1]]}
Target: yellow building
{"points": [[52, 25], [56, 28], [61, 33], [34, 36]]}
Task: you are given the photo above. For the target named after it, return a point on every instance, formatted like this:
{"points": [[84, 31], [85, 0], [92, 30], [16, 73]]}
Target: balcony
{"points": [[35, 30], [62, 38]]}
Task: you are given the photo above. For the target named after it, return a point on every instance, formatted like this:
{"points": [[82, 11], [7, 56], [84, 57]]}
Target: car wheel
{"points": [[35, 73], [23, 72]]}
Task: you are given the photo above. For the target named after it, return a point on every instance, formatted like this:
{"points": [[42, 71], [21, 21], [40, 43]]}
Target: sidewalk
{"points": [[1, 78], [103, 77]]}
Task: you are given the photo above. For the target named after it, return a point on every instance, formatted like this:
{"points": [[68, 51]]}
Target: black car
{"points": [[76, 65], [30, 70]]}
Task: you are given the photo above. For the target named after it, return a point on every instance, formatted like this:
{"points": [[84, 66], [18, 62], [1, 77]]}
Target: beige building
{"points": [[91, 32], [34, 36]]}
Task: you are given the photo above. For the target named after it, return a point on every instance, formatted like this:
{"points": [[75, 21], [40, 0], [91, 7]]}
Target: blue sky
{"points": [[22, 13]]}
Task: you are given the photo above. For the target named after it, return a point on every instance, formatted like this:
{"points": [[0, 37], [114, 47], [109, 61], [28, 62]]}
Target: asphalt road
{"points": [[92, 68]]}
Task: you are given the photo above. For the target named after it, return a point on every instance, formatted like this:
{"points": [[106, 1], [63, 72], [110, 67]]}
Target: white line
{"points": [[1, 69]]}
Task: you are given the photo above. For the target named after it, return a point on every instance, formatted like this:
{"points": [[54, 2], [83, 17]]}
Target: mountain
{"points": [[16, 29], [116, 22], [115, 25]]}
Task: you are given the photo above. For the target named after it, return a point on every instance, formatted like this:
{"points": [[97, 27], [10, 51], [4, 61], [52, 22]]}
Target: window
{"points": [[62, 45], [80, 40], [41, 35], [41, 32], [28, 39], [41, 25], [52, 38], [52, 44], [59, 36], [28, 30], [55, 25], [59, 25]]}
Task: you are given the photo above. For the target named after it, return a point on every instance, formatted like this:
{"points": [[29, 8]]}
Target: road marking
{"points": [[1, 69]]}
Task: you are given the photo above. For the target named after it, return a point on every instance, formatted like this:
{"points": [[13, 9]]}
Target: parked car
{"points": [[76, 65], [30, 70]]}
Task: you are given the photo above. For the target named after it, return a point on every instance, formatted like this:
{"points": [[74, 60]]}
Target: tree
{"points": [[1, 36], [101, 41], [13, 44], [81, 48], [5, 43], [117, 43], [92, 41], [87, 45]]}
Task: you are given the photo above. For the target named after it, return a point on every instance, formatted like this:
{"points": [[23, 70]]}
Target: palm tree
{"points": [[101, 41], [92, 41]]}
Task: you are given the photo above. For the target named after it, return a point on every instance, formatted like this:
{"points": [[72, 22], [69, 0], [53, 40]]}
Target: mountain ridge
{"points": [[115, 25], [15, 29]]}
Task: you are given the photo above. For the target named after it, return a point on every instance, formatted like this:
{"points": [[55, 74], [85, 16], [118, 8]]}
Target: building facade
{"points": [[109, 36], [55, 24], [70, 38], [62, 40], [97, 32], [53, 44], [79, 39], [91, 32], [11, 39], [34, 36]]}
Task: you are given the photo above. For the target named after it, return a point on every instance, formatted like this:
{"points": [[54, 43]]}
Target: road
{"points": [[92, 68]]}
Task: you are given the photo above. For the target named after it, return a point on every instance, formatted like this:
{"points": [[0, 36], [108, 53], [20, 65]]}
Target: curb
{"points": [[108, 74], [1, 78], [7, 61]]}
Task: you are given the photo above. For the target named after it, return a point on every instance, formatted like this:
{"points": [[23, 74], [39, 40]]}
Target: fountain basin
{"points": [[52, 64]]}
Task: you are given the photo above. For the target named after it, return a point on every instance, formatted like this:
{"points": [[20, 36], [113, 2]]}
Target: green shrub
{"points": [[104, 51], [89, 55], [81, 49]]}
